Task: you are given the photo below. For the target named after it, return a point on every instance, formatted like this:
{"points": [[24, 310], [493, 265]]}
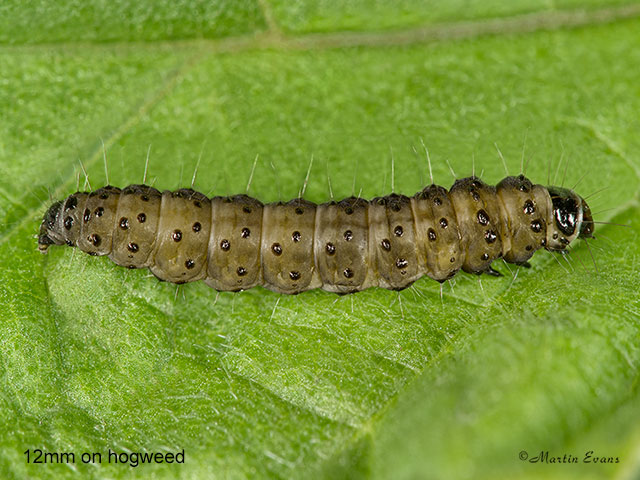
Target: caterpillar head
{"points": [[50, 229], [571, 219]]}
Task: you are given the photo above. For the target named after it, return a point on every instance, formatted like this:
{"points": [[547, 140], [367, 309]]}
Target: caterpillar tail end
{"points": [[49, 229], [43, 244]]}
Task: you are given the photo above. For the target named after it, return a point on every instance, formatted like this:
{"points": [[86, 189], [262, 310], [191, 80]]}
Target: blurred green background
{"points": [[374, 385]]}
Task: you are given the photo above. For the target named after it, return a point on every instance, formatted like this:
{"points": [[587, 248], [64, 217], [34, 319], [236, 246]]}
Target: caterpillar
{"points": [[236, 242]]}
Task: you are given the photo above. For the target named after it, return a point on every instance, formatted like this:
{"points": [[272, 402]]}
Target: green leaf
{"points": [[381, 384], [43, 21]]}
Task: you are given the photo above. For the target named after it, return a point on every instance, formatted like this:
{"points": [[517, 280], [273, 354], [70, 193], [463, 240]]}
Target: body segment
{"points": [[234, 249], [341, 246], [138, 216]]}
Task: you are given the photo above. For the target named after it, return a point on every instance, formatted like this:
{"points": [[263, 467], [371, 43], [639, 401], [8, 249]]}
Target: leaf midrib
{"points": [[273, 38]]}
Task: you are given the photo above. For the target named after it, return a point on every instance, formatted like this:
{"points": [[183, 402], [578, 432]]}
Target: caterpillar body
{"points": [[236, 242]]}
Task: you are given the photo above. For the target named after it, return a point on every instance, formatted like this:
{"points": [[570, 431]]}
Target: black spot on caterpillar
{"points": [[235, 243]]}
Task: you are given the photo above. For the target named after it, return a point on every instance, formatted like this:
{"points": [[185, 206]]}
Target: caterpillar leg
{"points": [[494, 273]]}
